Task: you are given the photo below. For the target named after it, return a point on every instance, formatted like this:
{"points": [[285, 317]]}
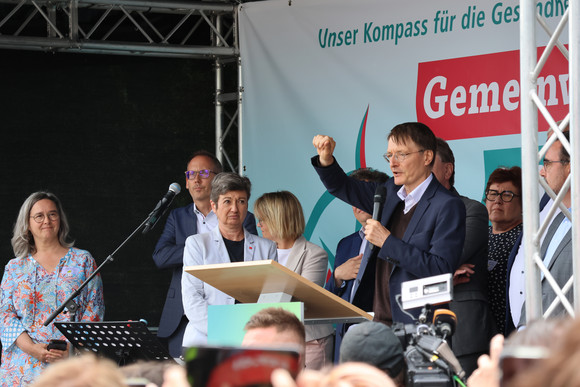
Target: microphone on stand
{"points": [[161, 207]]}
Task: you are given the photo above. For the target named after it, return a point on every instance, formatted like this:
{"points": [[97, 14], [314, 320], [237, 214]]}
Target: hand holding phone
{"points": [[56, 344]]}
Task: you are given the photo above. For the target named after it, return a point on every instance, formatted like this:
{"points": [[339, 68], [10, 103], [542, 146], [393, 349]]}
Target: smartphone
{"points": [[237, 366], [57, 344]]}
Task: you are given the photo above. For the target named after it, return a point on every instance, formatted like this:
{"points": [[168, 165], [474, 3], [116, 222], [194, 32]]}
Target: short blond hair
{"points": [[282, 212], [81, 371], [279, 318]]}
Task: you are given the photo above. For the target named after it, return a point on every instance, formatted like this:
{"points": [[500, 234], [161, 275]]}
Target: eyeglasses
{"points": [[506, 196], [204, 174], [39, 218], [548, 163], [399, 156]]}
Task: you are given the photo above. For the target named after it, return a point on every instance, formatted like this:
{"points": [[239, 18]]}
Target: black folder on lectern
{"points": [[124, 342]]}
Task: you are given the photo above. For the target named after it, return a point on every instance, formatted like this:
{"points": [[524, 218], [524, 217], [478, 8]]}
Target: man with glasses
{"points": [[422, 228], [556, 247], [515, 287], [195, 218]]}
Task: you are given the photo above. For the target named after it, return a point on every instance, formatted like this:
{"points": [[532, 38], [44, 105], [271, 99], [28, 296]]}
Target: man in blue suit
{"points": [[422, 228], [196, 218], [347, 261]]}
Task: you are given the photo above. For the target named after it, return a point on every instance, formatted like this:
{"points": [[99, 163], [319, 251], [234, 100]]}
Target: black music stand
{"points": [[124, 342]]}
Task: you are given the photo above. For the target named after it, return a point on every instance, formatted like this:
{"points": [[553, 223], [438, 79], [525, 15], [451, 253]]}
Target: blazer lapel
{"points": [[298, 250], [249, 246], [567, 239], [422, 206], [550, 234], [390, 205], [188, 222]]}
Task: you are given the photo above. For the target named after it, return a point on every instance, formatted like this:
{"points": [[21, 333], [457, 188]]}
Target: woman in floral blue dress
{"points": [[45, 272]]}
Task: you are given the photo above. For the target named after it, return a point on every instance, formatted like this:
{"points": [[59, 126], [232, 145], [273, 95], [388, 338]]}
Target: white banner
{"points": [[355, 69]]}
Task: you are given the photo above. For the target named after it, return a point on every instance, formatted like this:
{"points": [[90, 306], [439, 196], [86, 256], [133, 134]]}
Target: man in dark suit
{"points": [[347, 262], [470, 300], [556, 248], [422, 228], [195, 218]]}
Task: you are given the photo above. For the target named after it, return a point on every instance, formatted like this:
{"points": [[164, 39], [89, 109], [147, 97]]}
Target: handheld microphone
{"points": [[161, 207], [379, 201], [445, 321]]}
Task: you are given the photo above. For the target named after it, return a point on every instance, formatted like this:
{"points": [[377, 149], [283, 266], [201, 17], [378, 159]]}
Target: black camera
{"points": [[429, 359]]}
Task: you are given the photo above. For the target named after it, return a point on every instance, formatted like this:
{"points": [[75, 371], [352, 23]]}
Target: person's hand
{"points": [[306, 378], [463, 274], [54, 355], [376, 233], [325, 147], [37, 351], [348, 270], [487, 374], [175, 376], [282, 378]]}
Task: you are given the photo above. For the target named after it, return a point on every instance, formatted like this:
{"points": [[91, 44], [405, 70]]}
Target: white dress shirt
{"points": [[415, 195], [517, 289], [205, 223]]}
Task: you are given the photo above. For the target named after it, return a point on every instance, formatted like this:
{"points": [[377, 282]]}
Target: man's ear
{"points": [[428, 156], [448, 170]]}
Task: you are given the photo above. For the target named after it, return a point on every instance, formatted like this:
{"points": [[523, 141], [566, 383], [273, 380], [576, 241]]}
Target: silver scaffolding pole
{"points": [[574, 70], [530, 69], [228, 104], [529, 130]]}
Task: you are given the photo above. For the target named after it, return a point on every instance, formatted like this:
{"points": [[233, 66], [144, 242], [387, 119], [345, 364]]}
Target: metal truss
{"points": [[128, 27], [531, 104], [184, 29]]}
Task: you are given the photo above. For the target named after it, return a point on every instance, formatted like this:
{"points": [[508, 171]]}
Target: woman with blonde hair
{"points": [[281, 220]]}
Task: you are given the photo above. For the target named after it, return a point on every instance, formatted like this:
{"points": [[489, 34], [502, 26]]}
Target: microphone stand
{"points": [[69, 303]]}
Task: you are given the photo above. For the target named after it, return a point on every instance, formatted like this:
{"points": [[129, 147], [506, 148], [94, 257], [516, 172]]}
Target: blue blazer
{"points": [[434, 238], [347, 248], [168, 254]]}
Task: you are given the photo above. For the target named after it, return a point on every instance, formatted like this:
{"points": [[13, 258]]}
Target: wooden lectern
{"points": [[269, 281]]}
